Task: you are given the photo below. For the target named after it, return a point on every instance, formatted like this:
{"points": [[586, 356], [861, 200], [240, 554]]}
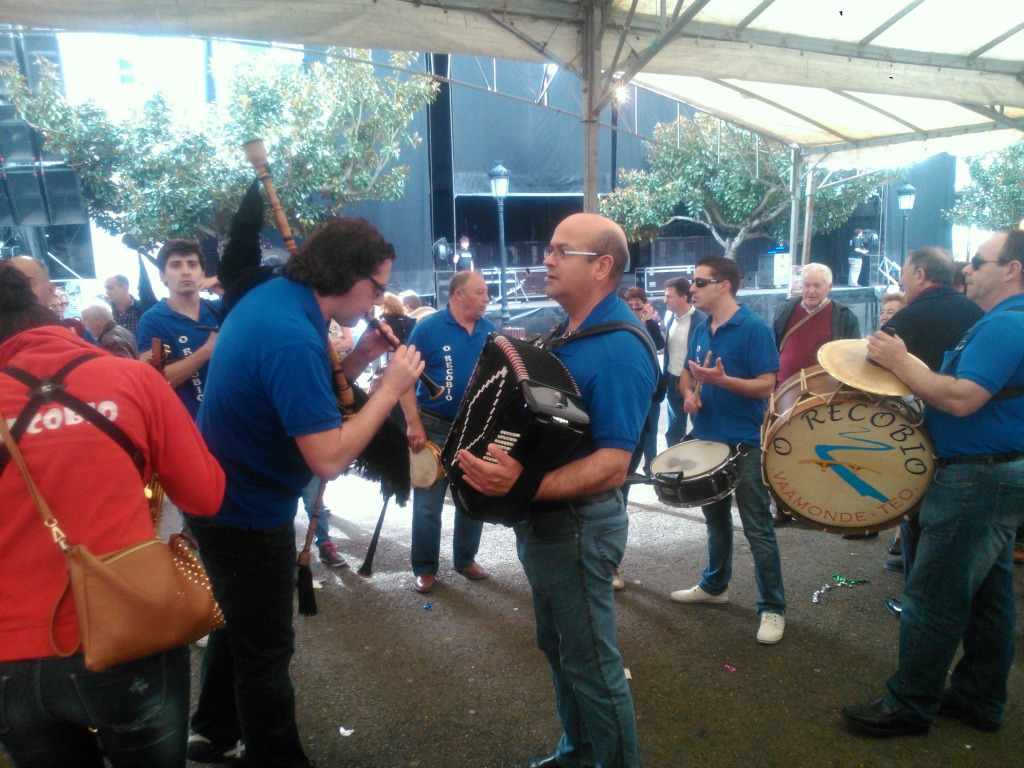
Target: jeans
{"points": [[426, 516], [246, 690], [910, 532], [756, 517], [569, 556], [323, 530], [139, 711], [961, 590], [676, 429]]}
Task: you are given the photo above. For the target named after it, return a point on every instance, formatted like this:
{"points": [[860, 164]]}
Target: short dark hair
{"points": [[1013, 248], [121, 280], [178, 246], [19, 309], [679, 284], [723, 269], [342, 251], [459, 280], [635, 292], [936, 262]]}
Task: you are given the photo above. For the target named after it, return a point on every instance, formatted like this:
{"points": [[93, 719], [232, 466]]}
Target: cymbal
{"points": [[847, 360]]}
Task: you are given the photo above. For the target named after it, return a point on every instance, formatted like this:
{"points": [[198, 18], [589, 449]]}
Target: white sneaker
{"points": [[202, 641], [618, 582], [698, 595], [772, 627]]}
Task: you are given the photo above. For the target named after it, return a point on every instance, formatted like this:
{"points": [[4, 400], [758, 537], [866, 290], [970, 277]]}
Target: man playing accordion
{"points": [[575, 534]]}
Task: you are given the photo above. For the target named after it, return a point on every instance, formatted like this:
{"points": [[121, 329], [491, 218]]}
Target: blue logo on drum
{"points": [[848, 472]]}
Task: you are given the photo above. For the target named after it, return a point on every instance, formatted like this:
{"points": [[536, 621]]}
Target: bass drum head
{"points": [[847, 463], [692, 458]]}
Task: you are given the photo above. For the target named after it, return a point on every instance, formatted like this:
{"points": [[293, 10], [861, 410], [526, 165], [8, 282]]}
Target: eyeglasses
{"points": [[703, 282], [562, 253], [380, 289], [977, 261]]}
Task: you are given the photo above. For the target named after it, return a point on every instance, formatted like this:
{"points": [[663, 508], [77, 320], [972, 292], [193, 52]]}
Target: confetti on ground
{"points": [[345, 731], [838, 581], [628, 675], [730, 668], [428, 607]]}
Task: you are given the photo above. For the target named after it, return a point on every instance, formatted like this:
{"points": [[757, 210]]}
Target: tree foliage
{"points": [[334, 133], [730, 180], [995, 197]]}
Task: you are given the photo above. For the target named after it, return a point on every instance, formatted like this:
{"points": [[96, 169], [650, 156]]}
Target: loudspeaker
{"points": [[441, 281], [6, 212], [63, 199], [18, 142], [25, 189]]}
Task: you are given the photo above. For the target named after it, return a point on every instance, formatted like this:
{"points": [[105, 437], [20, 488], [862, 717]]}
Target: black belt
{"points": [[563, 505], [594, 498], [991, 458], [435, 415]]}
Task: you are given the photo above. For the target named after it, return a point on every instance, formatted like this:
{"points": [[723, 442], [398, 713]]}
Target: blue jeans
{"points": [[569, 556], [756, 517], [427, 504], [676, 429], [139, 710], [246, 690], [961, 591], [323, 530]]}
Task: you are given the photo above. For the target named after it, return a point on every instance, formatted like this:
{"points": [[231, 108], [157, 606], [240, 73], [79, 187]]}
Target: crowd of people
{"points": [[250, 427]]}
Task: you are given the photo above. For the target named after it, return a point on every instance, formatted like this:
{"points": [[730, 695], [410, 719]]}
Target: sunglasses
{"points": [[977, 261], [562, 253], [704, 282], [381, 289]]}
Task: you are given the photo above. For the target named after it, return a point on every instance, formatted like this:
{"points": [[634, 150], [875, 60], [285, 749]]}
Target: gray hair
{"points": [[816, 267], [98, 311]]}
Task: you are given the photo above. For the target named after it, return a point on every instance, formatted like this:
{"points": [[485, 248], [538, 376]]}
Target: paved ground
{"points": [[454, 678]]}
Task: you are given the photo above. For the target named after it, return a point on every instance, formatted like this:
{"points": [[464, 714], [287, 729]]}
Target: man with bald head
{"points": [[574, 537], [38, 278]]}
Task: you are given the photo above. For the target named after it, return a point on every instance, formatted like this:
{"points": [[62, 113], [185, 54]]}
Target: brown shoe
{"points": [[473, 572], [423, 583], [618, 583], [1018, 553]]}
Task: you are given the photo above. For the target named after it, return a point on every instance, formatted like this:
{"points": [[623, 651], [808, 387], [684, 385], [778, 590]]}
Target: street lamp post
{"points": [[499, 190], [905, 197]]}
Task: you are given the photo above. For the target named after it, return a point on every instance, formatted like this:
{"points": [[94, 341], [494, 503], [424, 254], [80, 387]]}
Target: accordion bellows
{"points": [[524, 399]]}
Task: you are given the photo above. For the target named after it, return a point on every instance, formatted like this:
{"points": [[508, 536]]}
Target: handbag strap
{"points": [[803, 320], [44, 509]]}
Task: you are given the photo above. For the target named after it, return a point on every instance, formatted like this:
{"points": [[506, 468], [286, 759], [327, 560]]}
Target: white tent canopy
{"points": [[839, 81]]}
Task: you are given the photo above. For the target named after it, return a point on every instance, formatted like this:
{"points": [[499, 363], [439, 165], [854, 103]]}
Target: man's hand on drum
{"points": [[888, 351], [417, 436], [490, 479]]}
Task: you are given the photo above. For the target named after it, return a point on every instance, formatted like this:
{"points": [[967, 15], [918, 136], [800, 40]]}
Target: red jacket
{"points": [[90, 482]]}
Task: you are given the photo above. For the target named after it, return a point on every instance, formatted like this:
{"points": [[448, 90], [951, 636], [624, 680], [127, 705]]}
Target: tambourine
{"points": [[425, 466]]}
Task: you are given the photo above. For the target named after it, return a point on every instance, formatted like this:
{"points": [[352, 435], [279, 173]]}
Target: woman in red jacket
{"points": [[53, 711]]}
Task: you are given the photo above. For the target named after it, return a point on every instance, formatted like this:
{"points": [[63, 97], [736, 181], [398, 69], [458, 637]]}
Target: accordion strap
{"points": [[553, 341]]}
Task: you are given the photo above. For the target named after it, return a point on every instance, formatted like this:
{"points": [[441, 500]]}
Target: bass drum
{"points": [[843, 460], [694, 473]]}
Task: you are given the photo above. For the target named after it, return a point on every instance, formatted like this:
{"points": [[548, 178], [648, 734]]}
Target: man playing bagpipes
{"points": [[575, 532], [271, 418]]}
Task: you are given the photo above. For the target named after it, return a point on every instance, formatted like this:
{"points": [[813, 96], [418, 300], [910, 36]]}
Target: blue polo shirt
{"points": [[181, 334], [991, 355], [747, 347], [616, 377], [270, 381], [450, 354]]}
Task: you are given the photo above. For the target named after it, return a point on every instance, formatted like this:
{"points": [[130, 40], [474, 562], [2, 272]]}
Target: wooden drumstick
{"points": [[696, 389]]}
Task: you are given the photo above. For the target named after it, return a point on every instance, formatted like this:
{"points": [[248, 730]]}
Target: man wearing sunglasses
{"points": [[961, 589], [576, 533], [731, 370], [936, 317]]}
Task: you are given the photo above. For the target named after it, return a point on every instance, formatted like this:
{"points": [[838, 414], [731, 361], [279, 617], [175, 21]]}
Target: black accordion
{"points": [[521, 397]]}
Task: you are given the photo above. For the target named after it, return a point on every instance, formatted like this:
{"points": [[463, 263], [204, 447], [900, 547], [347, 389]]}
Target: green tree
{"points": [[995, 197], [334, 133], [731, 180]]}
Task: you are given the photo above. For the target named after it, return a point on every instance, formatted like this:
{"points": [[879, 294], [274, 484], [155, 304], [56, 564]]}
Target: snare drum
{"points": [[844, 460], [694, 473], [425, 466]]}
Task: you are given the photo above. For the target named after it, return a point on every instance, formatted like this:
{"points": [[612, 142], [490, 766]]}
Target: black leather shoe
{"points": [[540, 762], [876, 719], [950, 707], [893, 565], [896, 548], [895, 607]]}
